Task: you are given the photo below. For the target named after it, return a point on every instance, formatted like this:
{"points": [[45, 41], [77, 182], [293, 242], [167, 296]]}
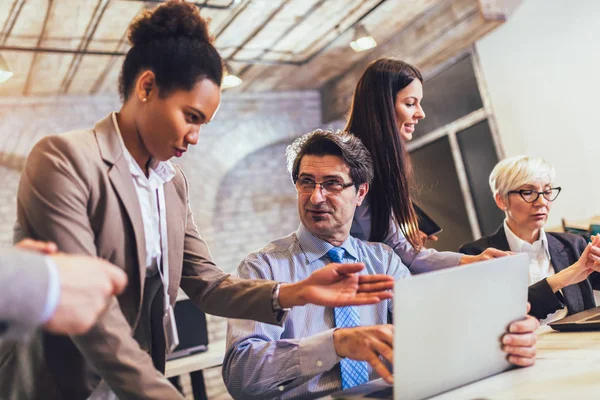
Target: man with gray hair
{"points": [[320, 350]]}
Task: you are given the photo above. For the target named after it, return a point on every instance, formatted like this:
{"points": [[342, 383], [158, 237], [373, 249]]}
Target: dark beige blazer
{"points": [[76, 190]]}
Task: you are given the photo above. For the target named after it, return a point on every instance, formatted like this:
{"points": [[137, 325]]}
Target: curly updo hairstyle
{"points": [[172, 41]]}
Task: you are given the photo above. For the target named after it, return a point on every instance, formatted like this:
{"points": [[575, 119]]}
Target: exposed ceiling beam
{"points": [[108, 67], [205, 4], [256, 60], [259, 28], [26, 88], [287, 71], [13, 15], [40, 49], [320, 50], [83, 45], [237, 13], [284, 34], [498, 9]]}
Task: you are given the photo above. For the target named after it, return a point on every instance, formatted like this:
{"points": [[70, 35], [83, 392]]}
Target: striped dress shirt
{"points": [[298, 360]]}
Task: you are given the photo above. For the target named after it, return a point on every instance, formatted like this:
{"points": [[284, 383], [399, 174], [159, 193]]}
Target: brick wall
{"points": [[24, 121], [256, 203], [240, 192], [9, 179]]}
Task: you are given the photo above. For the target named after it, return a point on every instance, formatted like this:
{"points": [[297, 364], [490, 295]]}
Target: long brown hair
{"points": [[372, 118]]}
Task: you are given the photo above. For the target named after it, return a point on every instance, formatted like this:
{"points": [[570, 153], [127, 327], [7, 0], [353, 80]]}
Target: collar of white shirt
{"points": [[518, 245], [159, 172]]}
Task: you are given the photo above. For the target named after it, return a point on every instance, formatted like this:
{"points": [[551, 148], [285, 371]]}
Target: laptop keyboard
{"points": [[386, 393]]}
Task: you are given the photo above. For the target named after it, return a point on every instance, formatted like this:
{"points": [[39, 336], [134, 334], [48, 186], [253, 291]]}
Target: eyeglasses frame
{"points": [[520, 193]]}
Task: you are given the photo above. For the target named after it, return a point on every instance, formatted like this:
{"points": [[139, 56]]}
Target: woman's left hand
{"points": [[424, 237], [581, 269]]}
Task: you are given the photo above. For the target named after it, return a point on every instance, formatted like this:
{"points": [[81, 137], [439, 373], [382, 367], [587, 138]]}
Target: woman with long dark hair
{"points": [[385, 111]]}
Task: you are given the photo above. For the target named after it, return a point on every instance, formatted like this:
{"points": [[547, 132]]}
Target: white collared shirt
{"points": [[539, 255], [540, 266], [153, 212]]}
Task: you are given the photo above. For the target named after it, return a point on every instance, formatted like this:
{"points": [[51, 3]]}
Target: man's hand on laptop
{"points": [[519, 342], [367, 343], [337, 285], [488, 254]]}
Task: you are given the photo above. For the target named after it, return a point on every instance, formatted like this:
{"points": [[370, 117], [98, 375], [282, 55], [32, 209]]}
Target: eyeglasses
{"points": [[306, 185], [531, 196]]}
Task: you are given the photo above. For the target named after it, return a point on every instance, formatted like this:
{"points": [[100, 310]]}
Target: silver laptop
{"points": [[447, 328]]}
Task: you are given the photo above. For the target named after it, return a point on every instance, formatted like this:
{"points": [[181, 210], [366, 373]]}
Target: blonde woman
{"points": [[563, 269]]}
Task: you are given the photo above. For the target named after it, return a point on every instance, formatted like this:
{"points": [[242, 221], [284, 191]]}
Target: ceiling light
{"points": [[5, 72], [230, 79], [362, 39]]}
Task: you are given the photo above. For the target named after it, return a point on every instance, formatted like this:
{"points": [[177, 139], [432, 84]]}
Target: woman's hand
{"points": [[488, 254], [424, 237], [580, 270], [37, 246]]}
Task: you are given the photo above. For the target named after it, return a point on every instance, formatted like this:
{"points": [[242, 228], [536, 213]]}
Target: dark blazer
{"points": [[565, 249]]}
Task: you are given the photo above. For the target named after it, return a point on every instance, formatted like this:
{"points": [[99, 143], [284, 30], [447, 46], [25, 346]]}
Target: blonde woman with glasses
{"points": [[563, 269]]}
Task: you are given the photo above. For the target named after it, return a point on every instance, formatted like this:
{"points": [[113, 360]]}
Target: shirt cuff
{"points": [[53, 294], [317, 353]]}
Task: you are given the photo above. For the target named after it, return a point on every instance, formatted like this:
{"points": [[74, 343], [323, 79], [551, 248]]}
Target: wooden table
{"points": [[213, 357], [567, 367]]}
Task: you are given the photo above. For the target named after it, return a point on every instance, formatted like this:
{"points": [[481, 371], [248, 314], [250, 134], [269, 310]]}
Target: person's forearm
{"points": [[291, 295], [428, 260], [568, 276], [542, 299], [25, 279], [555, 282], [291, 363]]}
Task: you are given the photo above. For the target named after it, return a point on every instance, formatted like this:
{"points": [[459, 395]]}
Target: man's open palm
{"points": [[338, 285]]}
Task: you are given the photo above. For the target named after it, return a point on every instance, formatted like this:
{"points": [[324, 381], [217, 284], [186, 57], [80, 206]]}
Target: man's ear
{"points": [[145, 86], [500, 202], [362, 193]]}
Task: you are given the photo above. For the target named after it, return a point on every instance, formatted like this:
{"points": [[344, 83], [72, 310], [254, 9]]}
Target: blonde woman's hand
{"points": [[588, 262]]}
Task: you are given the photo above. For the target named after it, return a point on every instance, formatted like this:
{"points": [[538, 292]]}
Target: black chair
{"points": [[193, 338]]}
